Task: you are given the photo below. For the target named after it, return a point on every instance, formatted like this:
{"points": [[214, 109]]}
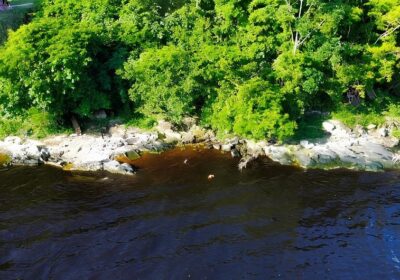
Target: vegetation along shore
{"points": [[312, 83]]}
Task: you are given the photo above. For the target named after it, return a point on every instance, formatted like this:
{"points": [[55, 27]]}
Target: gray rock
{"points": [[166, 129], [131, 141], [383, 132], [13, 140], [359, 131], [255, 149], [374, 166], [188, 137], [328, 126], [303, 158], [126, 169], [279, 154], [117, 168], [235, 153], [217, 146], [305, 144], [244, 161], [44, 153], [227, 147], [234, 141], [189, 122], [132, 155]]}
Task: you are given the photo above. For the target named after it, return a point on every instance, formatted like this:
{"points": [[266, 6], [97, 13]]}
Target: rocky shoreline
{"points": [[369, 149]]}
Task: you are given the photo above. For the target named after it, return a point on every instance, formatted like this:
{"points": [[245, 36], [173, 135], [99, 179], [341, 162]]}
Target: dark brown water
{"points": [[170, 222]]}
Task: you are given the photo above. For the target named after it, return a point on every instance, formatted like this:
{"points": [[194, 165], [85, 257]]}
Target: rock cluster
{"points": [[370, 149], [86, 152]]}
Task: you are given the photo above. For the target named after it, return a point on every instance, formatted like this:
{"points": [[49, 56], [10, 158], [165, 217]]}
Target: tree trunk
{"points": [[75, 125]]}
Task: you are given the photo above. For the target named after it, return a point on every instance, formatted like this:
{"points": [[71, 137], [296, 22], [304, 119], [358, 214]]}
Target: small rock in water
{"points": [[217, 146], [235, 153], [211, 176], [186, 161], [227, 147]]}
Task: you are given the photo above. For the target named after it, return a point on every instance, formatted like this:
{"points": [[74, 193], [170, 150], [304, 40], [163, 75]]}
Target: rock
{"points": [[126, 169], [164, 126], [198, 133], [44, 153], [383, 132], [343, 147], [359, 131], [235, 153], [371, 126], [84, 166], [244, 162], [279, 154], [227, 147], [132, 155], [328, 126], [131, 141], [117, 168], [188, 137], [100, 115], [305, 144], [13, 140], [140, 139], [234, 141], [303, 158], [255, 148], [118, 131], [374, 166], [189, 122], [166, 129], [217, 146], [337, 129]]}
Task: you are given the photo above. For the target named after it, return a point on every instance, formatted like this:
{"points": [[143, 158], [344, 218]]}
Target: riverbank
{"points": [[369, 149]]}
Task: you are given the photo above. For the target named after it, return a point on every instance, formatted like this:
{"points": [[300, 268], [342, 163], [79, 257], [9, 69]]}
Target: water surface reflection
{"points": [[170, 222]]}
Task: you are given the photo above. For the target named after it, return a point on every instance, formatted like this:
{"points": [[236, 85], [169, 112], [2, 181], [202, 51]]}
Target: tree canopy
{"points": [[248, 67]]}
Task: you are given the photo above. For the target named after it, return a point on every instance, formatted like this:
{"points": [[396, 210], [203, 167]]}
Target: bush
{"points": [[253, 110], [34, 123]]}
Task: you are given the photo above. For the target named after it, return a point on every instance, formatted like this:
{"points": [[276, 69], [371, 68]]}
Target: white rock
{"points": [[255, 148], [13, 140], [383, 132], [227, 147], [328, 126], [279, 154], [305, 144]]}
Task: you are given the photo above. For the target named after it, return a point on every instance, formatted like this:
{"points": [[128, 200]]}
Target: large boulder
{"points": [[118, 168], [281, 154], [166, 128]]}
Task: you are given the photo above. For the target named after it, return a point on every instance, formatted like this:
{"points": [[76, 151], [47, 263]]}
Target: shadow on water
{"points": [[170, 221]]}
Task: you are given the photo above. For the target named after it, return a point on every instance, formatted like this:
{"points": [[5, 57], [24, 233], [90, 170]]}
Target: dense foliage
{"points": [[248, 67]]}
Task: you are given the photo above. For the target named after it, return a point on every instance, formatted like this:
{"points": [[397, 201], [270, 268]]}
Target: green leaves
{"points": [[253, 109], [247, 67]]}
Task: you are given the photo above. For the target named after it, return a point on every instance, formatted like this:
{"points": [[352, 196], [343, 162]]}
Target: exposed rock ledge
{"points": [[360, 149]]}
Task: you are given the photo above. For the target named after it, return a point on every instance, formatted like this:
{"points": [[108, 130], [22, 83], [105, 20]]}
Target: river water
{"points": [[170, 222]]}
